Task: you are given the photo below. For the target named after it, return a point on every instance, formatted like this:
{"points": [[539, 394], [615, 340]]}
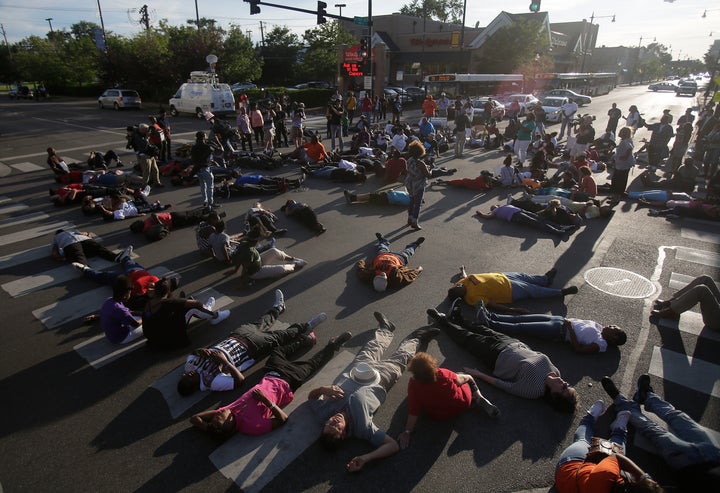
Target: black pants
{"points": [[80, 251], [296, 373], [482, 342], [261, 340]]}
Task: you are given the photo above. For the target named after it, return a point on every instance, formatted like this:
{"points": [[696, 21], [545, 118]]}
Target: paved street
{"points": [[78, 415]]}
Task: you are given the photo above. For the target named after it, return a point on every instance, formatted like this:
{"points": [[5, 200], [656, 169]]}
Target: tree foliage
{"points": [[513, 49], [439, 10], [280, 56], [320, 60]]}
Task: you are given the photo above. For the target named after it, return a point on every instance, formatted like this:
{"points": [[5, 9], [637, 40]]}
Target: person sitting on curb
{"points": [[514, 367], [258, 411], [494, 289], [440, 394], [389, 269], [220, 366], [347, 408], [701, 290], [685, 446]]}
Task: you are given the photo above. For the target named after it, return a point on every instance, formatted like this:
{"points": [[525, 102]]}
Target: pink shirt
{"points": [[253, 417]]}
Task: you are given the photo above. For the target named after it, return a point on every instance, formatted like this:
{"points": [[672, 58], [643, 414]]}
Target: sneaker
{"points": [[80, 267], [569, 290], [127, 253], [279, 301], [597, 408], [340, 340], [384, 322], [610, 387], [455, 315], [221, 315], [209, 304], [621, 421], [487, 406], [300, 262], [644, 387], [145, 192], [425, 335], [380, 237], [315, 321], [551, 276], [435, 315], [419, 241]]}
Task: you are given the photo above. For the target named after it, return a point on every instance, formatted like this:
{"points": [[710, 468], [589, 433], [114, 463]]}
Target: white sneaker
{"points": [[221, 315], [300, 262], [597, 408], [279, 301], [316, 320], [145, 192], [621, 421], [209, 304], [127, 253], [80, 267]]}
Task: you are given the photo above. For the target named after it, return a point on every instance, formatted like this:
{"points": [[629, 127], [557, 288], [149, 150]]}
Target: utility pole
{"points": [[49, 21], [197, 15], [2, 28], [144, 17], [262, 35], [102, 25]]}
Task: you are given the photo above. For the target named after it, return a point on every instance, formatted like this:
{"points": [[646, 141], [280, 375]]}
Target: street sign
{"points": [[399, 75], [360, 21], [367, 82]]}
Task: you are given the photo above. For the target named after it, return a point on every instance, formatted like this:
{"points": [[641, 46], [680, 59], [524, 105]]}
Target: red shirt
{"points": [[366, 105], [394, 167], [140, 279], [442, 399], [163, 218]]}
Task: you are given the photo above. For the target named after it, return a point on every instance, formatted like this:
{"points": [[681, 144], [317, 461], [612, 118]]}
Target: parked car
{"points": [[525, 100], [20, 92], [416, 92], [580, 99], [405, 97], [498, 110], [553, 108], [119, 98], [686, 87], [663, 86], [390, 94], [243, 86]]}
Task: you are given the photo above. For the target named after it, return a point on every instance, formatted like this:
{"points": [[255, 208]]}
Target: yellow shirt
{"points": [[494, 287], [351, 103]]}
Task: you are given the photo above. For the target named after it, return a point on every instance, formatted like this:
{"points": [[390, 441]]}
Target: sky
{"points": [[677, 24]]}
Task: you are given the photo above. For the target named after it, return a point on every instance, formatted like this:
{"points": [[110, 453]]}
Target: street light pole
{"points": [[340, 6], [585, 43], [49, 21]]}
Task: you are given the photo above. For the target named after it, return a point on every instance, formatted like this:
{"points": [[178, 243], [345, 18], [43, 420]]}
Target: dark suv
{"points": [[688, 87]]}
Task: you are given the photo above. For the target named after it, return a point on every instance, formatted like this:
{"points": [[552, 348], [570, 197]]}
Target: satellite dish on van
{"points": [[211, 59]]}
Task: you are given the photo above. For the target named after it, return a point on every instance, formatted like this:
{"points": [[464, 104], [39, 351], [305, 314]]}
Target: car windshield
{"points": [[479, 103], [553, 102]]}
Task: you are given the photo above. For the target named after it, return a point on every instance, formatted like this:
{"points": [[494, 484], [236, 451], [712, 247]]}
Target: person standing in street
{"points": [[568, 111]]}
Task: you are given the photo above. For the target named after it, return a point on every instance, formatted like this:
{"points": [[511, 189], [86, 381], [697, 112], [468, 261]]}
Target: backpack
{"points": [[641, 121]]}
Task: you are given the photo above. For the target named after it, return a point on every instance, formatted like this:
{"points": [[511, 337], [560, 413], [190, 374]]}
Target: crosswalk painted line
{"points": [[9, 209], [27, 167], [27, 218], [253, 461], [693, 373], [75, 307], [711, 259], [691, 323], [52, 277], [4, 199], [31, 255], [98, 351], [694, 234], [679, 281], [37, 231]]}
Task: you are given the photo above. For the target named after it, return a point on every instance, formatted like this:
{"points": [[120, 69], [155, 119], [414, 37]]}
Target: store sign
{"points": [[430, 42], [352, 54], [353, 69], [441, 78]]}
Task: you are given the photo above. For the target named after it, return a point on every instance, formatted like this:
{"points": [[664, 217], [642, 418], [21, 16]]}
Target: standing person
{"points": [[377, 111], [396, 110], [257, 123], [567, 112], [462, 123], [681, 144], [633, 119], [658, 146], [525, 134], [366, 106], [350, 106], [688, 117], [614, 115], [440, 394], [336, 113], [157, 137], [243, 125], [347, 408], [416, 181], [201, 156], [513, 110], [269, 129], [389, 269], [429, 107], [624, 161], [145, 154], [514, 367], [166, 149], [540, 115], [281, 134], [443, 103], [383, 107], [296, 126]]}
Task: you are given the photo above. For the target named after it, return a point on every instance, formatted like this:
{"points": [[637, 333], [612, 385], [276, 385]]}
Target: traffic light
{"points": [[535, 6], [321, 13], [363, 47], [254, 6]]}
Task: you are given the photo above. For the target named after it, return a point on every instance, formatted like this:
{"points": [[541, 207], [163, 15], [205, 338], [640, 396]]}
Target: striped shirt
{"points": [[521, 371]]}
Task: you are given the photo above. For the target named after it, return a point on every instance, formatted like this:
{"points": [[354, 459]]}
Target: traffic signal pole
{"points": [[256, 10]]}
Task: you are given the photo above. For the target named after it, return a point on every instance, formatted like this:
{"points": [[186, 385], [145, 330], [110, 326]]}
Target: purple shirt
{"points": [[506, 212], [116, 320]]}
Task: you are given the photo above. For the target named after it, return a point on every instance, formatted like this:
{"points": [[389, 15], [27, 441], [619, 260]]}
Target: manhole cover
{"points": [[619, 282]]}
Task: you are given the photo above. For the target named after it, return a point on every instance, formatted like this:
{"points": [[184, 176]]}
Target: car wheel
{"points": [[173, 111], [100, 105], [116, 106]]}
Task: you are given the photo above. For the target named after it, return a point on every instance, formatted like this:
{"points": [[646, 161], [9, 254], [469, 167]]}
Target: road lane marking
{"points": [[38, 231], [693, 373]]}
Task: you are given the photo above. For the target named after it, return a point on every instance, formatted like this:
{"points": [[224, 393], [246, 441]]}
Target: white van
{"points": [[202, 92]]}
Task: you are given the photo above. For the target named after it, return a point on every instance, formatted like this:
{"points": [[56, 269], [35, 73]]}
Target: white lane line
{"points": [[9, 209], [27, 167], [693, 373], [694, 234], [711, 259], [36, 232], [690, 323], [679, 281], [253, 461], [12, 221], [4, 199], [98, 351]]}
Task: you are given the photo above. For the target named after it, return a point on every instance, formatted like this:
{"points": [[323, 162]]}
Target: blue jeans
{"points": [[551, 327], [414, 206], [528, 286], [409, 251], [565, 124], [687, 445], [324, 172], [102, 277], [581, 441], [336, 131], [207, 182]]}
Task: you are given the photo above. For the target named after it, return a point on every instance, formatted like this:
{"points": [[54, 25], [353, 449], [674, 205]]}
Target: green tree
{"points": [[440, 10], [513, 49], [238, 57], [280, 57], [320, 60]]}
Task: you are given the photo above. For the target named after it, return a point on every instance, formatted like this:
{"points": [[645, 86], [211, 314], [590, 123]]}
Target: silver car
{"points": [[553, 107], [119, 98]]}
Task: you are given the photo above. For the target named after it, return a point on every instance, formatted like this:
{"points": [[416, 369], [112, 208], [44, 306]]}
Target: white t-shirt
{"points": [[587, 332], [127, 209], [569, 108]]}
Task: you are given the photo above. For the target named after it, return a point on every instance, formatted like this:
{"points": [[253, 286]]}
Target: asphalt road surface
{"points": [[77, 419]]}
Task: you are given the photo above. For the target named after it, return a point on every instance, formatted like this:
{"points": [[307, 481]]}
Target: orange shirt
{"points": [[316, 152], [586, 477], [386, 262], [429, 107]]}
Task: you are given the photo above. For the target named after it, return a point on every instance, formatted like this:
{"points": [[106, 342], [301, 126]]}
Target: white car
{"points": [[553, 108], [525, 100]]}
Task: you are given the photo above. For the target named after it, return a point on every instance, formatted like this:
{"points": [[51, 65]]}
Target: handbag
{"points": [[601, 448]]}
